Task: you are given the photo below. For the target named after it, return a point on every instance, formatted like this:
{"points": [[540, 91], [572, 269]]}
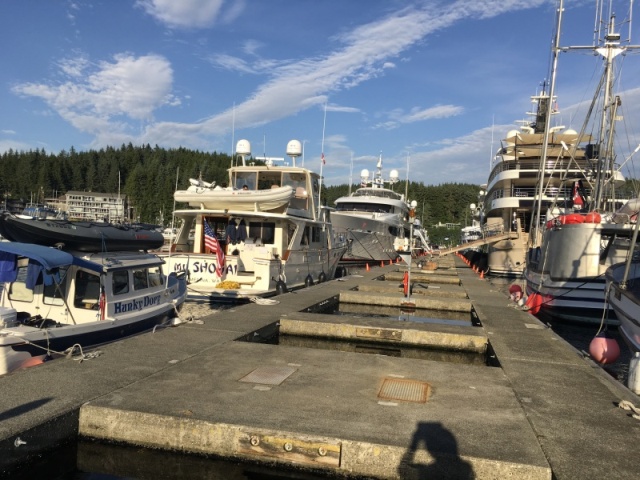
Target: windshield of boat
{"points": [[364, 207], [377, 192], [243, 179]]}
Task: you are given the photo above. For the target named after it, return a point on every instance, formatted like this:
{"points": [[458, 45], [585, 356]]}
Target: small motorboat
{"points": [[53, 300], [80, 236]]}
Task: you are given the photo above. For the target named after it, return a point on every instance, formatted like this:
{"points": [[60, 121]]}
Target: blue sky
{"points": [[430, 84]]}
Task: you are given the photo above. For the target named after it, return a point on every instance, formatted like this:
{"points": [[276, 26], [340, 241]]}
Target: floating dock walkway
{"points": [[532, 408]]}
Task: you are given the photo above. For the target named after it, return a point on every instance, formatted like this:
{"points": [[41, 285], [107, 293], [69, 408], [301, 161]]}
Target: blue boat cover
{"points": [[49, 258]]}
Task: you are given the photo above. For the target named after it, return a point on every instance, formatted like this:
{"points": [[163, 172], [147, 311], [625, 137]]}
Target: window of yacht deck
{"points": [[245, 178]]}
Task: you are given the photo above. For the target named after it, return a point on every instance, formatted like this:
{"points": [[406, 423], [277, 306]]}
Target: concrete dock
{"points": [[544, 412]]}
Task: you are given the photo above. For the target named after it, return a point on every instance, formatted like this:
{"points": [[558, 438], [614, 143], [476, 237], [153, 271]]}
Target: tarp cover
{"points": [[49, 258]]}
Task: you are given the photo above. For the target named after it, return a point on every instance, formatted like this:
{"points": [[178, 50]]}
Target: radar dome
{"points": [[243, 147], [364, 173], [570, 131], [393, 175], [511, 135], [294, 148]]}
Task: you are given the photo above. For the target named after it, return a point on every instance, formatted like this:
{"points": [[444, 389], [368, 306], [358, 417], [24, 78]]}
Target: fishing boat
{"points": [[374, 219], [573, 245], [255, 244], [80, 236], [53, 300]]}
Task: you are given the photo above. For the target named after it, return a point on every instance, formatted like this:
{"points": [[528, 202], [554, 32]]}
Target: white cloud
{"points": [[398, 116], [130, 87], [185, 13]]}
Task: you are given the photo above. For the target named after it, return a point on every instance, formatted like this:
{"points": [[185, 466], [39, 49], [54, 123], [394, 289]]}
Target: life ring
{"points": [[592, 217], [571, 219]]}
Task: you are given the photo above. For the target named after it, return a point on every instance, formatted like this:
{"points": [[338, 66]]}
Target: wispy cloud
{"points": [[112, 100], [398, 116]]}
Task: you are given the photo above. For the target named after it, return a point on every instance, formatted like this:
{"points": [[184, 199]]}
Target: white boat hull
{"points": [[568, 270]]}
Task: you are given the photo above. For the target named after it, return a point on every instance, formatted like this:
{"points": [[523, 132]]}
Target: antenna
{"points": [[324, 124], [233, 131]]}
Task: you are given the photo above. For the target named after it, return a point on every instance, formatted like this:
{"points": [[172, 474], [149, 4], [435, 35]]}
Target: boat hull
{"points": [[80, 236], [626, 302], [371, 237], [567, 271]]}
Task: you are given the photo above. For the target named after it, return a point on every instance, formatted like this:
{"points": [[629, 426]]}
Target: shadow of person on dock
{"points": [[440, 457]]}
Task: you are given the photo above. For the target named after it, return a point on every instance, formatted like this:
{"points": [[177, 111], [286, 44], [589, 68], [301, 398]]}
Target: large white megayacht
{"points": [[375, 220], [262, 234]]}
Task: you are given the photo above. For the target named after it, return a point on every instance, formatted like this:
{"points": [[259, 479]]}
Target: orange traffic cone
{"points": [[481, 274], [368, 267], [389, 262], [382, 263]]}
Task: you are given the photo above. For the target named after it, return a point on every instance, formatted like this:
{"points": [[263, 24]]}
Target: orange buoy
{"points": [[604, 349], [534, 302], [405, 283], [382, 263], [481, 274]]}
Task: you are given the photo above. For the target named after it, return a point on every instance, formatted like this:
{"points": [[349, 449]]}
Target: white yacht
{"points": [[512, 191], [374, 219], [263, 234]]}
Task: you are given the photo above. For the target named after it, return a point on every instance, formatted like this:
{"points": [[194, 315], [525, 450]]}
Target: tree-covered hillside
{"points": [[149, 176]]}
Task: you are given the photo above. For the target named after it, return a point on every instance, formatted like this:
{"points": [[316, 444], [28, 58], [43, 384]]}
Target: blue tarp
{"points": [[49, 258]]}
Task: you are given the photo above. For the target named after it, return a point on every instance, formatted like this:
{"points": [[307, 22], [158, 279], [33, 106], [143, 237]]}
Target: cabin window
{"points": [[245, 178], [299, 183], [262, 232], [316, 234], [120, 282], [18, 290], [269, 180], [140, 280], [55, 293], [156, 278], [87, 290]]}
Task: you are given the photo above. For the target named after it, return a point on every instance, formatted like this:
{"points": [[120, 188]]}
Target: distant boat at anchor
{"points": [[80, 236]]}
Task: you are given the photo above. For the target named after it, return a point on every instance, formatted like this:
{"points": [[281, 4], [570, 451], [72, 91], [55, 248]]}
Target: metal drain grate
{"points": [[268, 375], [404, 390]]}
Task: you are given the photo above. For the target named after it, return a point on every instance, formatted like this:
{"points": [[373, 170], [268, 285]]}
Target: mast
{"points": [[545, 145]]}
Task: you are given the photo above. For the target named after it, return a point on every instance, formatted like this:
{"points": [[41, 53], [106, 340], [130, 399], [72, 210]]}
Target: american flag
{"points": [[322, 157], [211, 242]]}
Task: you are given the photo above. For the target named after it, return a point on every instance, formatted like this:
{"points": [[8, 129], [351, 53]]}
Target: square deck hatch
{"points": [[268, 375], [404, 390]]}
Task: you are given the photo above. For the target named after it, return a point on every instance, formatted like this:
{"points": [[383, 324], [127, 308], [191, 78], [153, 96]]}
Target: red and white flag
{"points": [[322, 158], [211, 242], [577, 198]]}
